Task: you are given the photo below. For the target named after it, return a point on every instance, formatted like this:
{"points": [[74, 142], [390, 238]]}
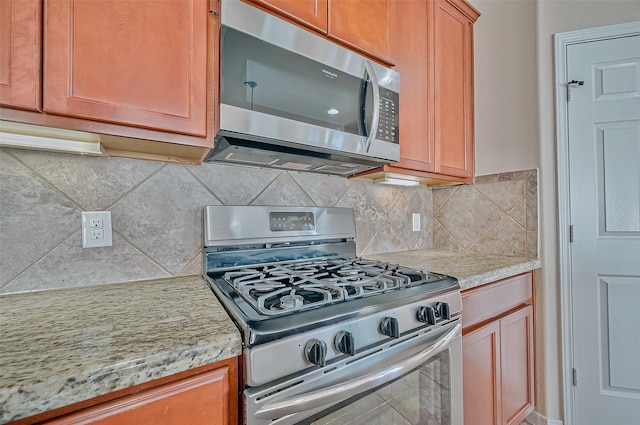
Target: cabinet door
{"points": [[312, 13], [453, 61], [516, 346], [481, 376], [20, 23], [141, 63], [362, 24], [199, 400], [409, 43]]}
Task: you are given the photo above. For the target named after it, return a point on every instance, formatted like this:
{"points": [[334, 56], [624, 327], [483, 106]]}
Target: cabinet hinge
{"points": [[571, 233], [574, 377]]}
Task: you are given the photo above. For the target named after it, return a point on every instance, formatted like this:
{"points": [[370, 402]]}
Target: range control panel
{"points": [[291, 221]]}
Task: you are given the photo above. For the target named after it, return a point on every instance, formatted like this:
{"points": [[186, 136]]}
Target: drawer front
{"points": [[493, 299]]}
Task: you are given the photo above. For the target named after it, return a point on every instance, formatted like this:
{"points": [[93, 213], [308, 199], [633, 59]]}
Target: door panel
{"points": [[604, 158], [482, 375], [20, 41], [517, 364], [453, 91], [101, 62]]}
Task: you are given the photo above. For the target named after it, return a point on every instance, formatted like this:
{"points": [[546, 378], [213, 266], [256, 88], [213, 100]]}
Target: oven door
{"points": [[414, 380]]}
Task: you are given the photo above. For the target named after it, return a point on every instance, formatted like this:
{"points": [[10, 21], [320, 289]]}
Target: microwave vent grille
{"points": [[249, 159], [337, 169]]}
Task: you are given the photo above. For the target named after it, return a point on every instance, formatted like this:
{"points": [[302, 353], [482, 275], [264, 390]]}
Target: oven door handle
{"points": [[335, 393]]}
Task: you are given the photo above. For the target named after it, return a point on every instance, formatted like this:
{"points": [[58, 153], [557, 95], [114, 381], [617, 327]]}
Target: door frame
{"points": [[561, 42]]}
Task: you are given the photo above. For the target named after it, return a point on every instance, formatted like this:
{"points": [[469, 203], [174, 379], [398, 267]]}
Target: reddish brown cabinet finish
{"points": [[207, 398], [362, 25], [20, 45], [497, 347], [311, 13], [135, 62], [453, 103], [432, 47]]}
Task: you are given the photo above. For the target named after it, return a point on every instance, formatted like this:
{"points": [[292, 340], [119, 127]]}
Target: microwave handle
{"points": [[376, 105], [345, 390]]}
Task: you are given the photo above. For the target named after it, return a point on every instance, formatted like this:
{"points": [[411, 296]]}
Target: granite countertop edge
{"points": [[91, 358]]}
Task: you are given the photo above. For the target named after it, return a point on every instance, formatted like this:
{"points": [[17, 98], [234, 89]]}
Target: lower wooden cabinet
{"points": [[497, 347], [208, 398]]}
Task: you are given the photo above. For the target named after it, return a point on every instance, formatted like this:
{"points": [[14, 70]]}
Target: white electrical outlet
{"points": [[416, 222], [96, 229]]}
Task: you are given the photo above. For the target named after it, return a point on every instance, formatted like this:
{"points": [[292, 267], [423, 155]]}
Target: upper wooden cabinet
{"points": [[137, 72], [311, 13], [359, 24], [432, 46], [20, 53], [453, 89], [140, 63], [362, 24]]}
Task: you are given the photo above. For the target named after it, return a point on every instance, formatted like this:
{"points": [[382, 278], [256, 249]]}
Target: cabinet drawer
{"points": [[492, 300]]}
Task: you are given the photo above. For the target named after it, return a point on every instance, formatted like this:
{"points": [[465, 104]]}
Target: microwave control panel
{"points": [[388, 123]]}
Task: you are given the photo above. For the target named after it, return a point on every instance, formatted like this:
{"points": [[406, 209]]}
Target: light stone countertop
{"points": [[471, 269], [64, 346]]}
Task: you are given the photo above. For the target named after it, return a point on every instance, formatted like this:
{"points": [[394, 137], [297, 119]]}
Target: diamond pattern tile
{"points": [[468, 215], [505, 195], [163, 217], [386, 239], [34, 217], [118, 263], [401, 216], [506, 238], [233, 185], [385, 195], [368, 217], [283, 191], [323, 190], [93, 182]]}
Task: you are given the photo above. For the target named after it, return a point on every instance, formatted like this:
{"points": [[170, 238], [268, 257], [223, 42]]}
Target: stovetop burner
{"points": [[287, 287]]}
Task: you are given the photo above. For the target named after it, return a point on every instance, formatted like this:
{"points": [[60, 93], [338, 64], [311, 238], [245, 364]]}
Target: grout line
{"points": [[203, 185]]}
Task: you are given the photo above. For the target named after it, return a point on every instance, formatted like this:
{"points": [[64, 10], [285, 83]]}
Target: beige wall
{"points": [[506, 109], [515, 129]]}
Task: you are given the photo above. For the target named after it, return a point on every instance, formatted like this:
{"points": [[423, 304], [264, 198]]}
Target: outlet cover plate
{"points": [[94, 235]]}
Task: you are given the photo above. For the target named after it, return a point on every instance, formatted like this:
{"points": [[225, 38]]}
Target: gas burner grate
{"points": [[293, 286]]}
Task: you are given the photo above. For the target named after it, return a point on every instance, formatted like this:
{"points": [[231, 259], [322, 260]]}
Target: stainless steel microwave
{"points": [[290, 99]]}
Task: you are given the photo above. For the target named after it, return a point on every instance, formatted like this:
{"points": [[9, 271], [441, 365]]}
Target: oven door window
{"points": [[421, 397]]}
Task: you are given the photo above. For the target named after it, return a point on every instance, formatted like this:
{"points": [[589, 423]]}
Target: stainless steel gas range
{"points": [[330, 337]]}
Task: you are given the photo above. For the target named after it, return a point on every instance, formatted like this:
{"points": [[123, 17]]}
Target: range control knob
{"points": [[345, 343], [389, 327], [426, 315], [316, 352], [443, 311]]}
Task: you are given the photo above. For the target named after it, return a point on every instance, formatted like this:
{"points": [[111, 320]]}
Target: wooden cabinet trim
{"points": [[298, 12], [493, 300], [105, 413], [231, 365], [20, 53]]}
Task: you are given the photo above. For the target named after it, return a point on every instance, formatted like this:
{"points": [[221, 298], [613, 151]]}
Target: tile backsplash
{"points": [[157, 214]]}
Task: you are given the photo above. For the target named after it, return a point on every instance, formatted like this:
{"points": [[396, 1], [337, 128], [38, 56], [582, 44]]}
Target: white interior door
{"points": [[604, 176]]}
